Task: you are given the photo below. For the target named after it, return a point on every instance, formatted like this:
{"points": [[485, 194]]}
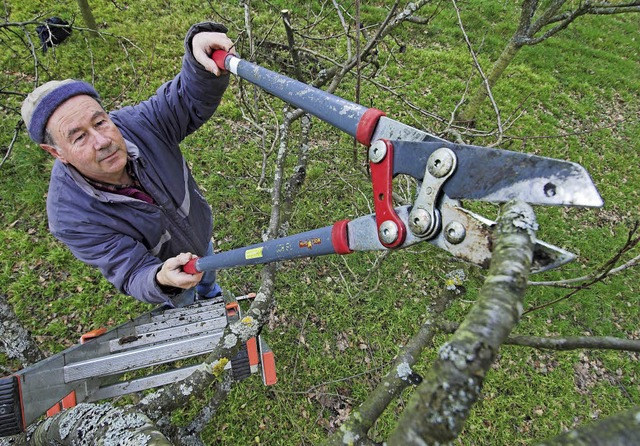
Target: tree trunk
{"points": [[469, 113]]}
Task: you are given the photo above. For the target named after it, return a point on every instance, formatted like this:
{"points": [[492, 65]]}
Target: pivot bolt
{"points": [[377, 151], [441, 162], [455, 232], [388, 232], [419, 221]]}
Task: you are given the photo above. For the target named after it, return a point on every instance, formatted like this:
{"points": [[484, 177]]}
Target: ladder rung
{"points": [[176, 321], [142, 357], [198, 307], [167, 334]]}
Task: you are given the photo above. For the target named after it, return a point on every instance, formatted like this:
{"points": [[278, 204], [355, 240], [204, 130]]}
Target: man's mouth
{"points": [[108, 154]]}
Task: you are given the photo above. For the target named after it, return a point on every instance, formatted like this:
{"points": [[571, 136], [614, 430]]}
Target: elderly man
{"points": [[121, 196]]}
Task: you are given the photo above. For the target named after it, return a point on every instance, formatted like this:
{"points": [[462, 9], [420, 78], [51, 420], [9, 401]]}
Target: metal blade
{"points": [[497, 176], [388, 128]]}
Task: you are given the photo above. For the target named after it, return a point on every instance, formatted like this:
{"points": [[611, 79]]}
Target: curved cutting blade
{"points": [[497, 176]]}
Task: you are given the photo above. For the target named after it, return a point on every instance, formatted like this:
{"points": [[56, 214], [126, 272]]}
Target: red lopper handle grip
{"points": [[219, 57], [191, 266]]}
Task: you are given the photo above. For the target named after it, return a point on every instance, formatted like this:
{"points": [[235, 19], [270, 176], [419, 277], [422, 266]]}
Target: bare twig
{"points": [[604, 271], [286, 19], [576, 343], [568, 283], [16, 132]]}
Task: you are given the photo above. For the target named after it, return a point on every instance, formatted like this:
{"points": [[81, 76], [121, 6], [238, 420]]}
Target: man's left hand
{"points": [[205, 43]]}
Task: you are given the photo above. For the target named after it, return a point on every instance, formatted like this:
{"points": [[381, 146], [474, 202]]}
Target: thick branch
{"points": [[98, 424], [440, 406], [619, 429]]}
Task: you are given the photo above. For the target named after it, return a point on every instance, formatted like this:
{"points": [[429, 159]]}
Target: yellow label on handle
{"points": [[254, 253]]}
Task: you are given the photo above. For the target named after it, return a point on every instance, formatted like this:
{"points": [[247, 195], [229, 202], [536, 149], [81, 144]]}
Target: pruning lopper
{"points": [[446, 173]]}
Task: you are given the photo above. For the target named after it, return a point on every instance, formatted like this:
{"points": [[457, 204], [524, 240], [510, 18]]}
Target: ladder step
{"points": [[197, 307], [167, 334], [141, 358], [177, 320], [144, 383]]}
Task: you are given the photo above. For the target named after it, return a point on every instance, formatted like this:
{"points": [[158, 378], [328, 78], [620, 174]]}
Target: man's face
{"points": [[86, 138]]}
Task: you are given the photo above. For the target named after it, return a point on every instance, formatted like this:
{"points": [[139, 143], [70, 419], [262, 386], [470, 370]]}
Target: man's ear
{"points": [[53, 151]]}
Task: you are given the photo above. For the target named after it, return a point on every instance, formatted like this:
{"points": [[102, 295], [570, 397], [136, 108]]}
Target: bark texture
{"points": [[440, 406], [622, 429], [17, 342], [98, 424]]}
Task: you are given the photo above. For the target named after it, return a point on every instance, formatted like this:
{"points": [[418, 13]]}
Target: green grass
{"points": [[339, 321]]}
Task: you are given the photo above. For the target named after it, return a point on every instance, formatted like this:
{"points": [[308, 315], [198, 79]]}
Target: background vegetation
{"points": [[340, 320]]}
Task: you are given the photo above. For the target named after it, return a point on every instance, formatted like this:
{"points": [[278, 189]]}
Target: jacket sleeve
{"points": [[181, 105]]}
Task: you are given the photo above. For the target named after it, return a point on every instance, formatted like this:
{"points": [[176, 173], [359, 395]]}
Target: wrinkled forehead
{"points": [[74, 114]]}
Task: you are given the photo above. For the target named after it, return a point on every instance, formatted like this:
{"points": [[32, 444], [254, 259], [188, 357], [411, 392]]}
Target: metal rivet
{"points": [[377, 151], [441, 162], [388, 231], [455, 232], [419, 221]]}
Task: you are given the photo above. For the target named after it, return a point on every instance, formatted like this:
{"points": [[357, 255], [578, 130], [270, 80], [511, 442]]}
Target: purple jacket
{"points": [[126, 238]]}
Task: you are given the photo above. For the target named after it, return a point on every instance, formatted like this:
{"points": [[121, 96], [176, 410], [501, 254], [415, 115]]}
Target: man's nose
{"points": [[100, 141]]}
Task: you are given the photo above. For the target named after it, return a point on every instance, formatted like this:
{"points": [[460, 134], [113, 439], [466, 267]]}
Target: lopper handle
{"points": [[219, 57], [191, 267], [354, 119]]}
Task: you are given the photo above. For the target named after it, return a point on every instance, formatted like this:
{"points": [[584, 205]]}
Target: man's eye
{"points": [[101, 123], [79, 138]]}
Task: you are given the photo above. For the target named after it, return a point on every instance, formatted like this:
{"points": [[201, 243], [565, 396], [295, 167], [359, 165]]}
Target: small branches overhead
{"points": [[538, 22]]}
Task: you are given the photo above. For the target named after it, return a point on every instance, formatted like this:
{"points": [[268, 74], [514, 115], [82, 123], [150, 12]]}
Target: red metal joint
{"points": [[382, 182]]}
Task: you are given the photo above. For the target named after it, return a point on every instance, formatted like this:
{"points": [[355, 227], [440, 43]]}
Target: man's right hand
{"points": [[172, 275]]}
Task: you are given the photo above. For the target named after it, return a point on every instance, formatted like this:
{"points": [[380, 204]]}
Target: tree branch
{"points": [[98, 424], [16, 341], [619, 429], [604, 271], [576, 342], [440, 406], [16, 132]]}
